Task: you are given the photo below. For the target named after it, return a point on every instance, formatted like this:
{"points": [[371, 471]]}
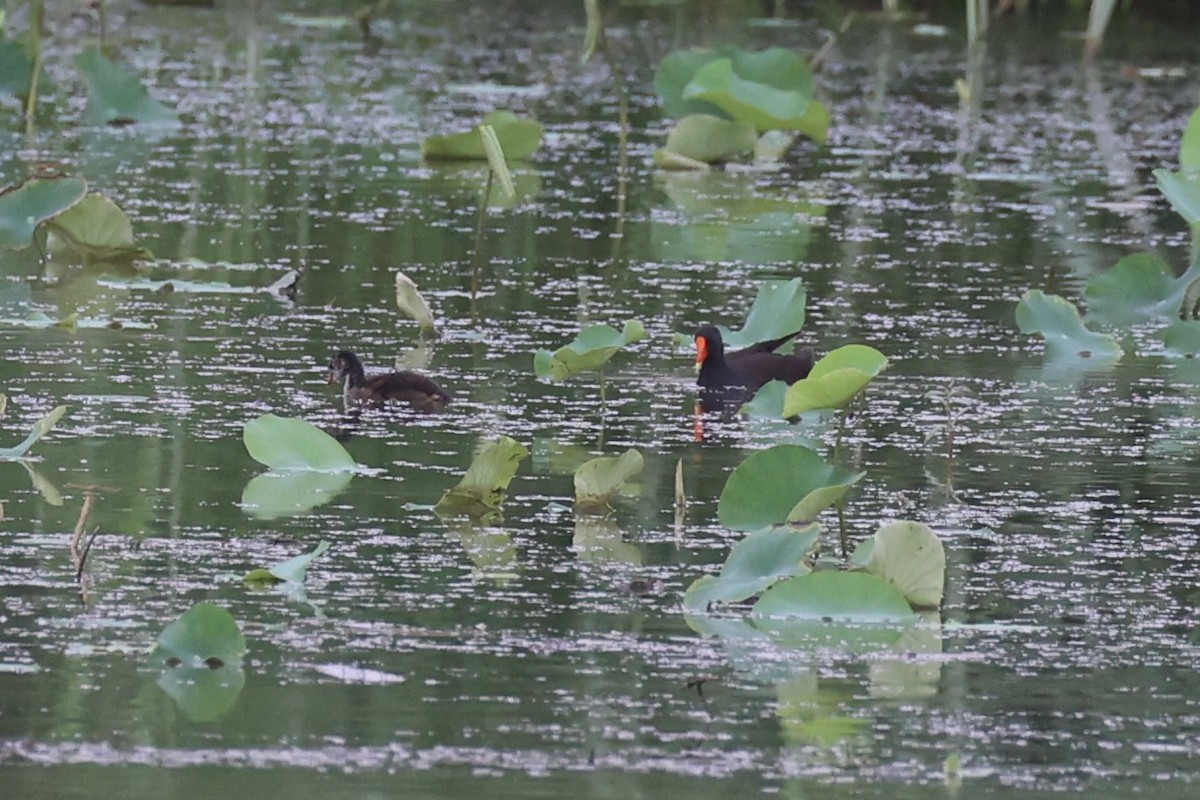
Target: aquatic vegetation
{"points": [[95, 230], [836, 379], [412, 303], [598, 480], [1058, 321], [116, 96], [1138, 288], [40, 429], [518, 138], [754, 563], [909, 556], [784, 483], [588, 351], [779, 308], [284, 494], [482, 490], [831, 596], [293, 569], [24, 207], [201, 658], [288, 444], [1182, 188]]}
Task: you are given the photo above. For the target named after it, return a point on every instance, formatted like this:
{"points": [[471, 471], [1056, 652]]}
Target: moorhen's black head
{"points": [[345, 364], [709, 344]]}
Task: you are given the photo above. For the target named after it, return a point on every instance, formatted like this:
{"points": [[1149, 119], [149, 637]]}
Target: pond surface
{"points": [[548, 654]]}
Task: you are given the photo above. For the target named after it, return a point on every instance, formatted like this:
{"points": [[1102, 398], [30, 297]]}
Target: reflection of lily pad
{"points": [[1058, 321], [835, 379], [24, 207], [285, 443], [590, 350], [778, 310], [201, 655], [294, 569], [116, 96], [833, 595], [909, 556], [482, 489], [518, 138], [285, 494], [1138, 288], [785, 483], [599, 540], [754, 563], [597, 480]]}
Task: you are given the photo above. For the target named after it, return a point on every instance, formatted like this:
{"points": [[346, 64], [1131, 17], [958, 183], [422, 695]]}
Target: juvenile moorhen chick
{"points": [[407, 387], [744, 371]]}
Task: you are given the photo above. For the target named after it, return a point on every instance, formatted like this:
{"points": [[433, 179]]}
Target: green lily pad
{"points": [[1189, 145], [40, 429], [709, 139], [482, 489], [785, 483], [26, 206], [597, 480], [1182, 191], [285, 443], [294, 569], [518, 138], [835, 379], [778, 310], [910, 556], [412, 303], [275, 494], [1058, 321], [1182, 339], [1138, 288], [201, 653], [833, 595], [96, 229], [753, 564], [590, 350], [116, 96], [767, 402]]}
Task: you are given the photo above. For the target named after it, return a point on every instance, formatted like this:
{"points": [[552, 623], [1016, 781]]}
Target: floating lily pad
{"points": [[201, 655], [482, 489], [835, 379], [785, 483], [274, 494], [597, 480], [1182, 339], [412, 303], [708, 139], [1182, 191], [96, 229], [910, 556], [117, 97], [1138, 288], [285, 443], [40, 429], [833, 595], [767, 402], [753, 564], [518, 138], [294, 569], [1058, 321], [778, 310], [26, 206], [590, 350]]}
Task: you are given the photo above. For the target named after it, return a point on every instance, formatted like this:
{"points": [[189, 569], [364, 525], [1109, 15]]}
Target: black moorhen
{"points": [[743, 372], [420, 392]]}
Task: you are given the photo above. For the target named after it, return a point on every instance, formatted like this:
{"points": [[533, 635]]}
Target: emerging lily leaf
{"points": [[117, 97], [518, 138], [910, 556], [785, 483], [294, 569], [1189, 146], [596, 481], [274, 494], [411, 302], [482, 489], [591, 349], [26, 206], [835, 379], [285, 443], [497, 163], [771, 89], [1059, 322], [1182, 339], [778, 309], [40, 429], [832, 595], [1139, 288], [754, 563], [201, 654], [97, 230], [706, 139]]}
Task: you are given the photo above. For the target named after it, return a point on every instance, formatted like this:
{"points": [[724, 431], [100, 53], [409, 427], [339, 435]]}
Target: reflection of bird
{"points": [[740, 373], [413, 388]]}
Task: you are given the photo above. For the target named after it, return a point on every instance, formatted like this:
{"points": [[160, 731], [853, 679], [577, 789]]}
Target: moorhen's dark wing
{"points": [[769, 346], [409, 387]]}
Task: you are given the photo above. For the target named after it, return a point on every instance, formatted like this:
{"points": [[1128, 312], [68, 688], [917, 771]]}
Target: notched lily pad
{"points": [[117, 97], [910, 556], [835, 379], [1058, 321], [706, 139], [482, 489], [598, 480], [27, 205], [590, 350], [1139, 288], [518, 138], [753, 564], [285, 443], [96, 229], [785, 483], [778, 310], [833, 596]]}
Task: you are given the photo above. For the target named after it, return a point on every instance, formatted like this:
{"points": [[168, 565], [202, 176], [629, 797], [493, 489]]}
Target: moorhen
{"points": [[415, 389], [741, 373]]}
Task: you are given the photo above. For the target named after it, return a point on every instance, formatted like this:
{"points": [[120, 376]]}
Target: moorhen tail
{"points": [[749, 368], [420, 392]]}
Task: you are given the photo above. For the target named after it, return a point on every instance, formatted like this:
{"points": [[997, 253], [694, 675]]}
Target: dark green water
{"points": [[548, 655]]}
